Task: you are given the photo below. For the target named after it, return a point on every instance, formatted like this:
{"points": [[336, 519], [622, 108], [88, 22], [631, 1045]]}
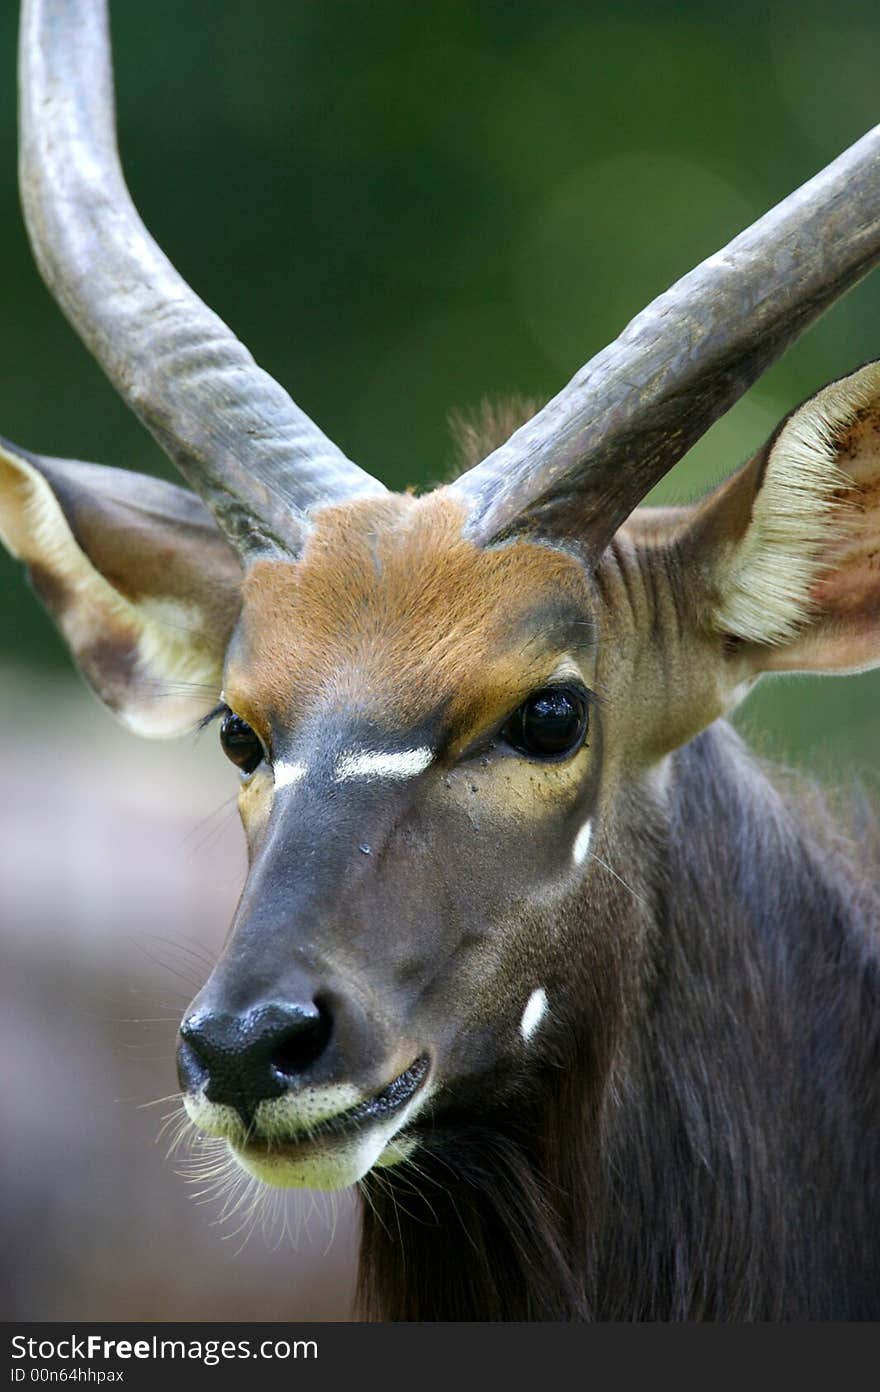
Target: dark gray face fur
{"points": [[397, 947]]}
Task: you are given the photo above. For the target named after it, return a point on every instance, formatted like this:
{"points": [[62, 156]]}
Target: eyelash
{"points": [[216, 714]]}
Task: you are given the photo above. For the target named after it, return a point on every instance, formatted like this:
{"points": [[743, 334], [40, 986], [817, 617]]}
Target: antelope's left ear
{"points": [[789, 547], [137, 576]]}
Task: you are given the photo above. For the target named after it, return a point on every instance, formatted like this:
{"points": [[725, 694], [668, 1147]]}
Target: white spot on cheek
{"points": [[285, 774], [582, 843], [533, 1014], [404, 763]]}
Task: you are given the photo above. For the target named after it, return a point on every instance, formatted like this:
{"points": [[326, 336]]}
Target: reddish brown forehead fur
{"points": [[392, 614]]}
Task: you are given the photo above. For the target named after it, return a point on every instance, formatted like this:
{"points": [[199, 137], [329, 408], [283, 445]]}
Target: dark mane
{"points": [[713, 1142], [478, 430]]}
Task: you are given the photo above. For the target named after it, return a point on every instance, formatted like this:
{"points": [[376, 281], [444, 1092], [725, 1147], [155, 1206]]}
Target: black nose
{"points": [[243, 1060]]}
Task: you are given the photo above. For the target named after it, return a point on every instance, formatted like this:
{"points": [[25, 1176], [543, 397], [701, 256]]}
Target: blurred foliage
{"points": [[403, 207]]}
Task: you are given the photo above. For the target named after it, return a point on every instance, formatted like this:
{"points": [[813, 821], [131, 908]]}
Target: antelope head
{"points": [[446, 711]]}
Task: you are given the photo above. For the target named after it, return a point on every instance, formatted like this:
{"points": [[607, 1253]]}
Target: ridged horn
{"points": [[257, 460], [582, 464]]}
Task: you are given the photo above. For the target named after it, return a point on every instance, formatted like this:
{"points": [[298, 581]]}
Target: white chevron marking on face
{"points": [[402, 763], [285, 774]]}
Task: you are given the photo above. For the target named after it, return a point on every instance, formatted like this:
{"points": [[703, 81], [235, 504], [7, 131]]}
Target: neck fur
{"points": [[703, 1142]]}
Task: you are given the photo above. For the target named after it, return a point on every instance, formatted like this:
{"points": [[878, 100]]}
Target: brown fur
{"points": [[629, 1159], [392, 613], [482, 429], [851, 582]]}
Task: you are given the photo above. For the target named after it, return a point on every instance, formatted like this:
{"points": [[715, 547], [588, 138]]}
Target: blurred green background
{"points": [[402, 207]]}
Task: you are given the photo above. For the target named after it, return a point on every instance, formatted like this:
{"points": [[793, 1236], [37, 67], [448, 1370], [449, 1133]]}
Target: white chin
{"points": [[327, 1165], [323, 1162]]}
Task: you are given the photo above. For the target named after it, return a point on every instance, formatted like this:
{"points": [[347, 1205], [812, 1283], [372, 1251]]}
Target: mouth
{"points": [[372, 1125]]}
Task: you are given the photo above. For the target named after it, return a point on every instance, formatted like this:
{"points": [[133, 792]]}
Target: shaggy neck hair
{"points": [[707, 1150]]}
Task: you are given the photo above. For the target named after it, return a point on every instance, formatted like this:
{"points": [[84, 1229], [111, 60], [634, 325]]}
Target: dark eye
{"points": [[240, 743], [551, 723]]}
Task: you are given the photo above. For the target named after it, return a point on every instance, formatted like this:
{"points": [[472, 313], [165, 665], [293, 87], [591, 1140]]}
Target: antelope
{"points": [[531, 948]]}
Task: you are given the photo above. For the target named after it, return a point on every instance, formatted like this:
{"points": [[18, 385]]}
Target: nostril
{"points": [[190, 1032], [192, 1072], [303, 1042], [242, 1059]]}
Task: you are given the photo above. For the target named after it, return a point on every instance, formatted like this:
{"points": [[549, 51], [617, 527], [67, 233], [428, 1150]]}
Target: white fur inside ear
{"points": [[178, 676], [172, 679], [766, 586]]}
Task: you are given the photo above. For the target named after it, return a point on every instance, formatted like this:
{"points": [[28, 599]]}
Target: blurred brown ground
{"points": [[400, 208], [120, 863]]}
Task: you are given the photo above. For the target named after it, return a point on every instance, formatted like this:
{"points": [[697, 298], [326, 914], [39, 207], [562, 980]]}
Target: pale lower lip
{"points": [[380, 1108]]}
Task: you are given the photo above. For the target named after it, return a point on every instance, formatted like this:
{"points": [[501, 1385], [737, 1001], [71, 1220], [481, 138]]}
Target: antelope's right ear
{"points": [[789, 547], [137, 576]]}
